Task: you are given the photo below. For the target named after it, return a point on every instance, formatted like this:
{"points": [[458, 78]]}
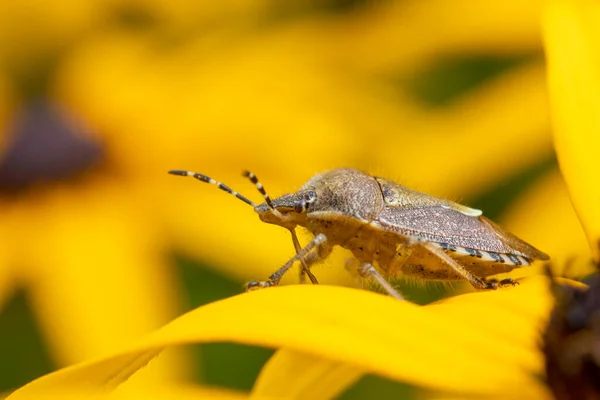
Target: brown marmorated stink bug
{"points": [[390, 229]]}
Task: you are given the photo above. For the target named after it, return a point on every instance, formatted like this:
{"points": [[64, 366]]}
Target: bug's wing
{"points": [[425, 217], [514, 242], [396, 195]]}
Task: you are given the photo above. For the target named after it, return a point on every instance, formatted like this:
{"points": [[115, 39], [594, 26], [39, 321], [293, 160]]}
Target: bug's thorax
{"points": [[342, 195]]}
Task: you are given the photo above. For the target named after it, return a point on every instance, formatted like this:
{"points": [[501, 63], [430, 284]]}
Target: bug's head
{"points": [[287, 210]]}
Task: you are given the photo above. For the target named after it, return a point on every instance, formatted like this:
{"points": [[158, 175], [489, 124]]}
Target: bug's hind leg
{"points": [[277, 275], [477, 282], [367, 270]]}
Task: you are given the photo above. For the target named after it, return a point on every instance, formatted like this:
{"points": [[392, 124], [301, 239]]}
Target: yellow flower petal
{"points": [[31, 31], [236, 103], [182, 16], [291, 374], [433, 27], [166, 392], [176, 392], [94, 269], [465, 148], [7, 107], [572, 34], [538, 215], [7, 282], [451, 346]]}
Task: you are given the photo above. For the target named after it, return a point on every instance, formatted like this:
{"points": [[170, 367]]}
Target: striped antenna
{"points": [[259, 186], [207, 179]]}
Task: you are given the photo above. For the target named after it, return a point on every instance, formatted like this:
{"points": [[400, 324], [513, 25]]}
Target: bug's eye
{"points": [[303, 204], [300, 206]]}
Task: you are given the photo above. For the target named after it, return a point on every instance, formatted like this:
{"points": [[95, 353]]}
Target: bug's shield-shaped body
{"points": [[393, 227], [390, 229]]}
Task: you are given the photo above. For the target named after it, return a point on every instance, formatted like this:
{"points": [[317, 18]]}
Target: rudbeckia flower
{"points": [[285, 99], [476, 344]]}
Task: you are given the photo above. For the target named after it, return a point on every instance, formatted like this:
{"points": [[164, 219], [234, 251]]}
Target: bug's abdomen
{"points": [[423, 264], [481, 256]]}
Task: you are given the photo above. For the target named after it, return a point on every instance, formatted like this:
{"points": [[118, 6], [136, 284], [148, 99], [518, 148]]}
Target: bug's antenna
{"points": [[207, 179], [259, 186]]}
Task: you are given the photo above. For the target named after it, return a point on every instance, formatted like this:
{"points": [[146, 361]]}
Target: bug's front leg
{"points": [[277, 275], [320, 253], [306, 264], [477, 282]]}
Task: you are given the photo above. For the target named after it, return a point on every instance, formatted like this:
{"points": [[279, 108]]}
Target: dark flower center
{"points": [[572, 342], [45, 146]]}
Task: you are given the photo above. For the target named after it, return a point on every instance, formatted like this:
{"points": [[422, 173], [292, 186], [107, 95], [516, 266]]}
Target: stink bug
{"points": [[390, 229]]}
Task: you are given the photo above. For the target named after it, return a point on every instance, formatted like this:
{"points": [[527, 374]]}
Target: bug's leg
{"points": [[305, 269], [502, 283], [302, 277], [354, 267], [320, 253], [276, 276], [368, 271], [476, 281]]}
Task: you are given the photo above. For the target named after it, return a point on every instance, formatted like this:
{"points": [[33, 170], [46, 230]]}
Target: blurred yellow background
{"points": [[99, 99]]}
